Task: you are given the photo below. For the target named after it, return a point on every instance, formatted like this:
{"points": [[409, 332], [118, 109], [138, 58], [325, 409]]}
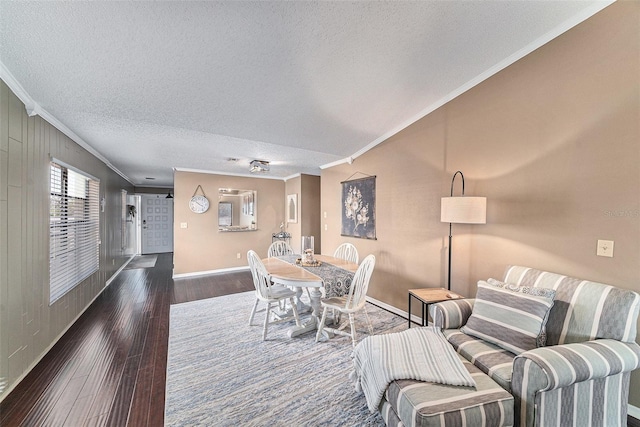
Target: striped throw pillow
{"points": [[510, 316]]}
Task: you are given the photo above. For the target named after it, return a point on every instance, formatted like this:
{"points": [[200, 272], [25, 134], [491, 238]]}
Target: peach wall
{"points": [[310, 209], [553, 142], [307, 189], [409, 183], [294, 186], [201, 247]]}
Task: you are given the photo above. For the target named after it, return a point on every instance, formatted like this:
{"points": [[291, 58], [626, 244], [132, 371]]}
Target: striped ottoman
{"points": [[417, 403]]}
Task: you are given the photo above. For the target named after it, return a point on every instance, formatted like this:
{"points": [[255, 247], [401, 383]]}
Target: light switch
{"points": [[183, 225], [605, 248]]}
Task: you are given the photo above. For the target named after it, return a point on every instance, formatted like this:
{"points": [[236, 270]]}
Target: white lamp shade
{"points": [[464, 210]]}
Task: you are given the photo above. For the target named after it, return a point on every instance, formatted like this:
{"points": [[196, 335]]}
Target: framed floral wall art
{"points": [[359, 208]]}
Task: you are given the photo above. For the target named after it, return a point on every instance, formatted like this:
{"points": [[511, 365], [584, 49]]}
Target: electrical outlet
{"points": [[238, 255], [325, 227], [325, 214], [605, 248], [183, 225]]}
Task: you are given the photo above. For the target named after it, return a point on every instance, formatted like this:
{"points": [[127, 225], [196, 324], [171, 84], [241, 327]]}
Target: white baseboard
{"points": [[55, 341], [209, 272], [110, 279], [634, 411], [394, 310]]}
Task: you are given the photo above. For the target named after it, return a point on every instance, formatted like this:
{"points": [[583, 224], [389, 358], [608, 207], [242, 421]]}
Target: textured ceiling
{"points": [[152, 86]]}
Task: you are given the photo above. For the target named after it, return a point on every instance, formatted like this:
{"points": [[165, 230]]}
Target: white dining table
{"points": [[285, 273]]}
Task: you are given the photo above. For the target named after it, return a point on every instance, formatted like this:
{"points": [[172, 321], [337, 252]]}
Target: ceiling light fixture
{"points": [[259, 166]]}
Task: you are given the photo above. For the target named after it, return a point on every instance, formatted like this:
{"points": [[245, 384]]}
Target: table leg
{"points": [[312, 323], [409, 316], [301, 306]]}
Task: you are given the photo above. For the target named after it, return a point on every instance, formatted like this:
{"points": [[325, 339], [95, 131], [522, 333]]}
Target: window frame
{"points": [[74, 228]]}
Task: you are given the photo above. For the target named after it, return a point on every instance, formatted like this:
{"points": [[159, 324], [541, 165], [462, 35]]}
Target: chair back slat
{"points": [[360, 283], [279, 248], [261, 279], [347, 252]]}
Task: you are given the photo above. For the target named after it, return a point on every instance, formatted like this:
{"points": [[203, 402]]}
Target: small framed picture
{"points": [[292, 208]]}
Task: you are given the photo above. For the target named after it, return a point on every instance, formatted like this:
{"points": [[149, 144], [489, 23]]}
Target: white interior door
{"points": [[157, 224]]}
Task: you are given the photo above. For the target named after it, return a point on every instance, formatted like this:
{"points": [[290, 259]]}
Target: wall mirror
{"points": [[237, 210]]}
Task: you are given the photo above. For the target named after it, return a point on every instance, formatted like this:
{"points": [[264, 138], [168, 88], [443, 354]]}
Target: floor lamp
{"points": [[461, 210]]}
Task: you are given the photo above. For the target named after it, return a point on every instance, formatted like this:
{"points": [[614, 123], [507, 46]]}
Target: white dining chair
{"points": [[270, 294], [351, 303], [347, 252], [279, 248]]}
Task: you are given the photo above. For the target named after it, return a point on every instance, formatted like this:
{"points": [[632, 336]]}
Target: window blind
{"points": [[74, 229]]}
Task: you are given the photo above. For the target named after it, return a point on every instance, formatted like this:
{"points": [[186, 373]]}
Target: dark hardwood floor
{"points": [[109, 368]]}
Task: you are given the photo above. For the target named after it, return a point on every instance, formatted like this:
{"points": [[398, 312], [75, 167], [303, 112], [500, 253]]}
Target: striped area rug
{"points": [[221, 373]]}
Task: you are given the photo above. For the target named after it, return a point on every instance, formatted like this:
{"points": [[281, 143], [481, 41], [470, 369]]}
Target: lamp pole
{"points": [[451, 195], [449, 273], [461, 210]]}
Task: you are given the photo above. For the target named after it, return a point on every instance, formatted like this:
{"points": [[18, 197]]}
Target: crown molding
{"points": [[342, 161], [243, 175], [34, 109], [15, 86], [540, 41], [295, 175]]}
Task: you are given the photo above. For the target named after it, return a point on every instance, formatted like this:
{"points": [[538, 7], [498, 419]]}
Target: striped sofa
{"points": [[581, 376]]}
